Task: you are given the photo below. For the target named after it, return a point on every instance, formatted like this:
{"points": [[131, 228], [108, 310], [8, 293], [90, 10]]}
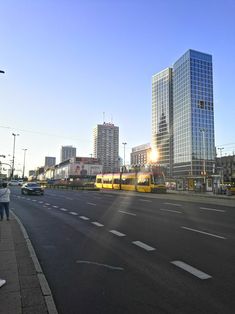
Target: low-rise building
{"points": [[77, 167]]}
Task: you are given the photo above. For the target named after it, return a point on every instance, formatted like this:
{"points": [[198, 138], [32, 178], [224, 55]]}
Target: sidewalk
{"points": [[26, 290]]}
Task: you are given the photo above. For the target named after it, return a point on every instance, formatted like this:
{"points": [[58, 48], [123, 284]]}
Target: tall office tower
{"points": [[162, 118], [67, 152], [193, 112], [106, 146], [50, 161]]}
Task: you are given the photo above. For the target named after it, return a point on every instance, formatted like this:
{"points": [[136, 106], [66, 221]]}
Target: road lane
{"points": [[161, 230]]}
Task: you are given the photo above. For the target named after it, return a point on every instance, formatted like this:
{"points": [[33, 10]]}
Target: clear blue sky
{"points": [[68, 61]]}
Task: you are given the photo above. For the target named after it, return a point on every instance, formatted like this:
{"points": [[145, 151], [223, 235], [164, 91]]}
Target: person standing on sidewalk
{"points": [[4, 200]]}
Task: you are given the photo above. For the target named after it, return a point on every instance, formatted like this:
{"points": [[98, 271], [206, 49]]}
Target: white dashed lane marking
{"points": [[92, 204], [203, 232], [171, 210], [192, 270], [144, 246], [146, 201], [63, 209], [84, 217], [96, 223], [127, 213], [213, 209], [117, 233], [173, 204], [55, 206], [73, 213]]}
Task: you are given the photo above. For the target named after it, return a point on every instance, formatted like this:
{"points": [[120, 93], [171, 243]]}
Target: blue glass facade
{"points": [[193, 115], [183, 116]]}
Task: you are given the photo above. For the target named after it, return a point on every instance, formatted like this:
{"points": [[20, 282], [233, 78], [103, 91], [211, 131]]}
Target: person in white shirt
{"points": [[4, 200]]}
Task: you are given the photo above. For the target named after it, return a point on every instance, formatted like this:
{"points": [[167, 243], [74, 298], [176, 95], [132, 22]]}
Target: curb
{"points": [[46, 291]]}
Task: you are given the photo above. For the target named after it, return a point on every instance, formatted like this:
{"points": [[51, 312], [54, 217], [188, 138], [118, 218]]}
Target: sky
{"points": [[72, 64]]}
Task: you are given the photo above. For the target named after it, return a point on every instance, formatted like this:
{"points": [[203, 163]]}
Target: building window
{"points": [[201, 104]]}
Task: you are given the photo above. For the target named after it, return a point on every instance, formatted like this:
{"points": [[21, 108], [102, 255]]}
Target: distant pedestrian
{"points": [[4, 200]]}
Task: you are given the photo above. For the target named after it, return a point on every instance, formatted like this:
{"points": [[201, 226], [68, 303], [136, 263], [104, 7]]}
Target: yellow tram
{"points": [[148, 182]]}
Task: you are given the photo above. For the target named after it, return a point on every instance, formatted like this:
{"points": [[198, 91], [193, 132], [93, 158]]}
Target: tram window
{"points": [[128, 181], [143, 182]]}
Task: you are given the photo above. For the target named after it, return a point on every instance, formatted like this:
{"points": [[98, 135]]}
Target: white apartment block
{"points": [[106, 146], [67, 152]]}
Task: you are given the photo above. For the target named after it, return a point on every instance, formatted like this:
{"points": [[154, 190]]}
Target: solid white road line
{"points": [[173, 204], [127, 213], [96, 223], [203, 232], [99, 264], [144, 246], [171, 210], [117, 233], [73, 213], [93, 204], [192, 270], [84, 217], [213, 209]]}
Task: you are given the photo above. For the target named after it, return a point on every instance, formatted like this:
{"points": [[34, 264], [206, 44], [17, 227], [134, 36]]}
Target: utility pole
{"points": [[24, 149], [124, 160], [13, 160]]}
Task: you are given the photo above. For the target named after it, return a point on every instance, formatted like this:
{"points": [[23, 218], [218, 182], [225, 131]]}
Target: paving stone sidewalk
{"points": [[26, 290]]}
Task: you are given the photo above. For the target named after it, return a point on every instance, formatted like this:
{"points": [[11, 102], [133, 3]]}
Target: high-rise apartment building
{"points": [[106, 146], [67, 152], [50, 161], [183, 116], [162, 118]]}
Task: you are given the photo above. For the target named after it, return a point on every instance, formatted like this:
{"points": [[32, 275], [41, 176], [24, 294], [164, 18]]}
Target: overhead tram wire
{"points": [[43, 133]]}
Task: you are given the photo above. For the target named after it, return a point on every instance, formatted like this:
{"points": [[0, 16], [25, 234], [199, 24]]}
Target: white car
{"points": [[14, 183]]}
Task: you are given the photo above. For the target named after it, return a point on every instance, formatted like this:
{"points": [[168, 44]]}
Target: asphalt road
{"points": [[132, 253]]}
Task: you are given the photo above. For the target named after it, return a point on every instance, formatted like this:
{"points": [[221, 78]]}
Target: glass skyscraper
{"points": [[193, 115], [183, 116], [162, 112]]}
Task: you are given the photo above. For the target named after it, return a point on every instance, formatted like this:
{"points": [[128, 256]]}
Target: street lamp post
{"points": [[203, 130], [221, 166], [220, 149], [13, 158], [124, 160], [24, 149]]}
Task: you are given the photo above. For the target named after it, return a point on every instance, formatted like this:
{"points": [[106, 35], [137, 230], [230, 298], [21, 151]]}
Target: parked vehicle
{"points": [[14, 183], [32, 188]]}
